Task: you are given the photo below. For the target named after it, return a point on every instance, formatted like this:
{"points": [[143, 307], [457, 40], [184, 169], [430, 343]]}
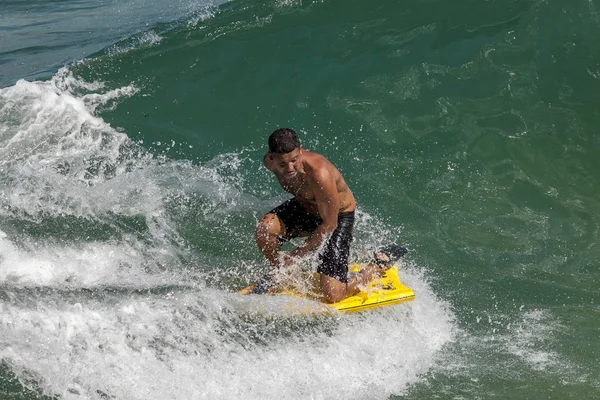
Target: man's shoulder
{"points": [[319, 167], [317, 160]]}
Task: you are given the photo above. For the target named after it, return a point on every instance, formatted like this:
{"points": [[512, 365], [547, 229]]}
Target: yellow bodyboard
{"points": [[382, 291]]}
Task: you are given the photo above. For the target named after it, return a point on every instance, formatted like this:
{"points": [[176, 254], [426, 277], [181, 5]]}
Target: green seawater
{"points": [[131, 144]]}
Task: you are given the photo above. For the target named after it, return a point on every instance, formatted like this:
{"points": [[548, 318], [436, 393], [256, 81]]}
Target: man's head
{"points": [[282, 141], [286, 152]]}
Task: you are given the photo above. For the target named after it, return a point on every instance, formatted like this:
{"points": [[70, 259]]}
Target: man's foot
{"points": [[382, 259], [388, 255]]}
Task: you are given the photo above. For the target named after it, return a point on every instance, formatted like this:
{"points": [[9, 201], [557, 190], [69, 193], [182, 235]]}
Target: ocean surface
{"points": [[131, 141]]}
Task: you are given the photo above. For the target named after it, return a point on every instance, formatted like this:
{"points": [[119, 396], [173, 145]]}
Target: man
{"points": [[322, 209]]}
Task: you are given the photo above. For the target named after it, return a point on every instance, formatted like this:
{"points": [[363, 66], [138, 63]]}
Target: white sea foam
{"points": [[202, 345], [61, 163], [511, 345], [58, 158], [83, 265], [52, 149], [144, 39], [530, 337]]}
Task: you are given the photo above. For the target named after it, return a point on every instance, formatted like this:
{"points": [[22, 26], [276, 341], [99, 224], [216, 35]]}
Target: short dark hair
{"points": [[283, 140]]}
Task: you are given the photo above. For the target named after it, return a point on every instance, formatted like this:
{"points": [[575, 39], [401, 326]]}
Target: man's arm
{"points": [[328, 203]]}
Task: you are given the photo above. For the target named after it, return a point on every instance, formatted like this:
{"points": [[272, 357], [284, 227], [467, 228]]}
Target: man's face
{"points": [[289, 164]]}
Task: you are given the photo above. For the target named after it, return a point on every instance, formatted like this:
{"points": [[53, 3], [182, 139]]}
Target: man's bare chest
{"points": [[299, 189]]}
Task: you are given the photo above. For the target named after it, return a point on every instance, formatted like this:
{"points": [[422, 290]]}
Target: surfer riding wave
{"points": [[322, 210]]}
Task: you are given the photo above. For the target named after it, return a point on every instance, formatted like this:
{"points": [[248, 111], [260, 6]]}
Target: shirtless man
{"points": [[322, 209]]}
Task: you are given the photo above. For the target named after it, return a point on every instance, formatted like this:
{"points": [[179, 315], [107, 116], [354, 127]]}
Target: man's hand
{"points": [[287, 260]]}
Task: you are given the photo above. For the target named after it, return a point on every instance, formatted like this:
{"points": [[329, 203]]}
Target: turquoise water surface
{"points": [[131, 141]]}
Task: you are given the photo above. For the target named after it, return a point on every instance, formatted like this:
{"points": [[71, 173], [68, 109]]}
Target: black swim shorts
{"points": [[334, 256]]}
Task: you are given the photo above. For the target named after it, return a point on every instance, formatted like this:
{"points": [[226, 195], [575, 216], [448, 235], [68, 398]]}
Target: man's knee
{"points": [[269, 225]]}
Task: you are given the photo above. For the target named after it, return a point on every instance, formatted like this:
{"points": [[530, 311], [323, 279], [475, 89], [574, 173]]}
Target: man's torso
{"points": [[301, 186]]}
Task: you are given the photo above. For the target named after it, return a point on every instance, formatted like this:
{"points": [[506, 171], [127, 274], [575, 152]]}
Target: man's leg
{"points": [[269, 229], [334, 290], [334, 282]]}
